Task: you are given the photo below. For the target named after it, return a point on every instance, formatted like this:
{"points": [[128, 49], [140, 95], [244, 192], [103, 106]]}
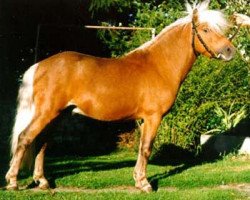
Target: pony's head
{"points": [[208, 27]]}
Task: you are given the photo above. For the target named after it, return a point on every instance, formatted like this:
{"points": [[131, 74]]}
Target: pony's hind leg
{"points": [[38, 175], [25, 139]]}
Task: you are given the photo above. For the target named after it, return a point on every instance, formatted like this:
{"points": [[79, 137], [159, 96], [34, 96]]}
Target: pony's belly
{"points": [[106, 112], [111, 114]]}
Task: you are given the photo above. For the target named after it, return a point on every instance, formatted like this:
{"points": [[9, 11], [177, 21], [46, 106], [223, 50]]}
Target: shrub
{"points": [[209, 85]]}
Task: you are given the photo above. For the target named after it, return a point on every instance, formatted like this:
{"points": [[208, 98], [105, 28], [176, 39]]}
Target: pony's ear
{"points": [[204, 5], [195, 16]]}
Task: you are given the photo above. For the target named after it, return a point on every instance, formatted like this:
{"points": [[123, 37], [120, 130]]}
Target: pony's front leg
{"points": [[38, 175], [148, 133]]}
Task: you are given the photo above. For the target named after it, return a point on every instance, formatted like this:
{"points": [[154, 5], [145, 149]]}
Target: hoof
{"points": [[43, 184], [12, 187], [11, 182], [142, 183], [147, 188]]}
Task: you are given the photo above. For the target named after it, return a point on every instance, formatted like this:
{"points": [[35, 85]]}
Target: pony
{"points": [[142, 84]]}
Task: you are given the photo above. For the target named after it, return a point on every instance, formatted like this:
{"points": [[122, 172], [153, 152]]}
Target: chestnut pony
{"points": [[142, 84]]}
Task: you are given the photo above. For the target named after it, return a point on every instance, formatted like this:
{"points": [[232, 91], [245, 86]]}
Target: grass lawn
{"points": [[110, 177]]}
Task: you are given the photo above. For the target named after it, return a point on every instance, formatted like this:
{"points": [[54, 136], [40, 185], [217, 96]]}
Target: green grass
{"points": [[178, 195], [105, 177]]}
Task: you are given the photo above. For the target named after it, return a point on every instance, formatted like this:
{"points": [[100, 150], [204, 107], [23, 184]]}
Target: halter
{"points": [[194, 31], [236, 32]]}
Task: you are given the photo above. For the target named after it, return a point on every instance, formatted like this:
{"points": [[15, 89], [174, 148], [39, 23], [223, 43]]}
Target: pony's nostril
{"points": [[228, 50], [227, 53]]}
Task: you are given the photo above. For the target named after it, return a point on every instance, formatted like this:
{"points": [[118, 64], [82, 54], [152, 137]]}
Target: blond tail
{"points": [[25, 113]]}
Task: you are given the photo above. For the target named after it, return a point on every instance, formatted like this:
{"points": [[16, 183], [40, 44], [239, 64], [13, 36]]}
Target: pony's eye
{"points": [[205, 30]]}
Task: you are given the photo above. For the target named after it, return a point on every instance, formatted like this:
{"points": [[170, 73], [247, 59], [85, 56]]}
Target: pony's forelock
{"points": [[214, 18]]}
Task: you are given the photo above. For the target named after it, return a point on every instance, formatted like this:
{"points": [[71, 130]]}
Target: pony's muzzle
{"points": [[226, 53]]}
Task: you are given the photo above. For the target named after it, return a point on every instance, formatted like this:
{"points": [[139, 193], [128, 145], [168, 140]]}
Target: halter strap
{"points": [[237, 30], [194, 31]]}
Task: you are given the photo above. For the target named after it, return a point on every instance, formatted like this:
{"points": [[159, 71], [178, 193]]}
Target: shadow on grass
{"points": [[213, 150], [169, 154], [65, 169]]}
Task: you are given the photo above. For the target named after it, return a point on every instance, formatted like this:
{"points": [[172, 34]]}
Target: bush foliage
{"points": [[211, 85]]}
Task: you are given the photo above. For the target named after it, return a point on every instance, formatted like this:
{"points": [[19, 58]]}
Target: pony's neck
{"points": [[173, 50]]}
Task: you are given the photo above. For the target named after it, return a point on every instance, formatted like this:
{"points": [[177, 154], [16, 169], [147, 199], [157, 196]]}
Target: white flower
{"points": [[242, 51]]}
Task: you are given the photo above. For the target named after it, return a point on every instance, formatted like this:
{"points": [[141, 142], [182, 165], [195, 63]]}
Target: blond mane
{"points": [[214, 18]]}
